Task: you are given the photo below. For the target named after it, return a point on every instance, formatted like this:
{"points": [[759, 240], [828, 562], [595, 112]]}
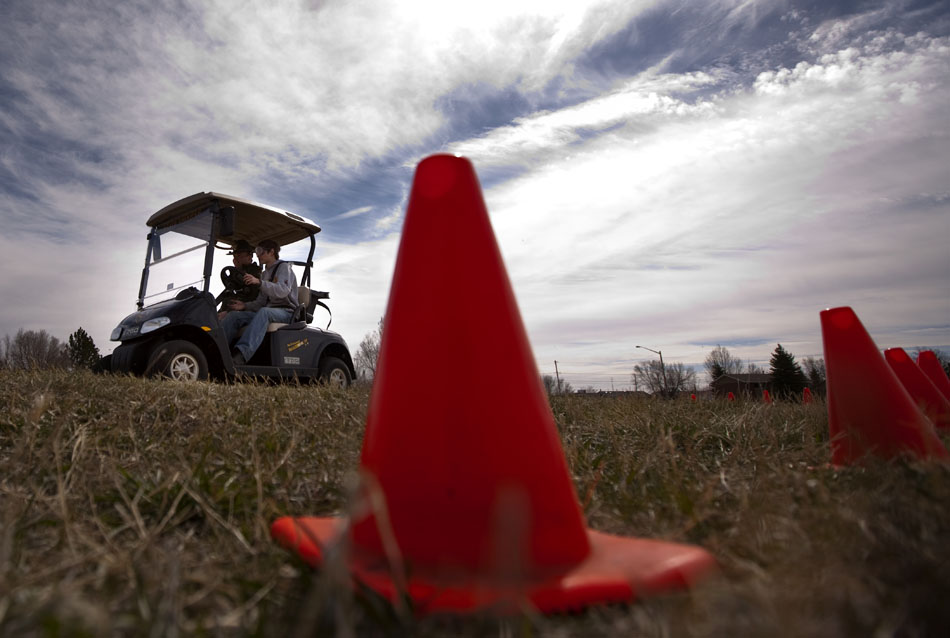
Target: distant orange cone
{"points": [[766, 397], [731, 396], [921, 389], [692, 397], [869, 411], [468, 503], [806, 396], [928, 362]]}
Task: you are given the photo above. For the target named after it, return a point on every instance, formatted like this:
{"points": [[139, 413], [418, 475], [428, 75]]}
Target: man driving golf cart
{"points": [[176, 331], [234, 287]]}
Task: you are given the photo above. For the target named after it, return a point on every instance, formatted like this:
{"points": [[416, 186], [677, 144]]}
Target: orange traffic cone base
{"points": [[618, 570]]}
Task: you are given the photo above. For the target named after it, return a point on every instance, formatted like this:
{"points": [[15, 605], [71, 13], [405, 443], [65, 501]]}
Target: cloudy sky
{"points": [[666, 173]]}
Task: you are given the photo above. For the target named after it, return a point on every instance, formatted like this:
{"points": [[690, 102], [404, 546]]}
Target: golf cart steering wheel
{"points": [[232, 278]]}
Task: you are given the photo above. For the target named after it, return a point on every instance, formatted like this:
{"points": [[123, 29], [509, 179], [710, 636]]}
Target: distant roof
{"points": [[253, 222]]}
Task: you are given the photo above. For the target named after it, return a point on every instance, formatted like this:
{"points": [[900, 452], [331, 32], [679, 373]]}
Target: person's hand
{"points": [[251, 280], [237, 304]]}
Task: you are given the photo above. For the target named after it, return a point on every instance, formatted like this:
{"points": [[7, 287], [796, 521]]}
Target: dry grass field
{"points": [[136, 507]]}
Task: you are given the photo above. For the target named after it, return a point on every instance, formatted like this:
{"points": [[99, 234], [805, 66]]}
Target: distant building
{"points": [[741, 384]]}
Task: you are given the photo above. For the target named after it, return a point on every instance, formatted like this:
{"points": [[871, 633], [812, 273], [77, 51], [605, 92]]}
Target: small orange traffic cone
{"points": [[806, 396], [869, 411], [467, 502], [930, 365], [921, 389], [766, 397], [731, 396]]}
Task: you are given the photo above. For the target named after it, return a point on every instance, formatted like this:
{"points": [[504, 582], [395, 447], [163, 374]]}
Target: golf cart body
{"points": [[176, 332]]}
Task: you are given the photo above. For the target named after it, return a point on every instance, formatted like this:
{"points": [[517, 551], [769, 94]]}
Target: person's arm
{"points": [[258, 303]]}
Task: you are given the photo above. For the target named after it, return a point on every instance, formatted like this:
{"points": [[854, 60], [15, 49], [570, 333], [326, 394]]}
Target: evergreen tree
{"points": [[82, 350], [788, 380]]}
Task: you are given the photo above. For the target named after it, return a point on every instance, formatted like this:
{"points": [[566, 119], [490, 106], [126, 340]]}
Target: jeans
{"points": [[256, 323]]}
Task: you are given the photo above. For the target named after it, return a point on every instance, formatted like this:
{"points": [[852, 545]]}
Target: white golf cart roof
{"points": [[253, 222]]}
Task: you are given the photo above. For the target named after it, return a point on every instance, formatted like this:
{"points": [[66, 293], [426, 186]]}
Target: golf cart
{"points": [[176, 333]]}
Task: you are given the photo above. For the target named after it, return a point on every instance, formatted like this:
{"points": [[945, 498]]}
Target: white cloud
{"points": [[736, 218], [644, 101], [358, 279], [356, 212], [274, 86]]}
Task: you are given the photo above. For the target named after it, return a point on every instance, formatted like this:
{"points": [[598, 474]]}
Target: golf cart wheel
{"points": [[179, 360], [334, 373]]}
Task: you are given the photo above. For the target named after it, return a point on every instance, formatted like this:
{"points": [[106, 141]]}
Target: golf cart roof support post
{"points": [[215, 209], [152, 238], [306, 270]]}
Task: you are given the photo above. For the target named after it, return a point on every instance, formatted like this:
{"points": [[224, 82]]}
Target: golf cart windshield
{"points": [[176, 258]]}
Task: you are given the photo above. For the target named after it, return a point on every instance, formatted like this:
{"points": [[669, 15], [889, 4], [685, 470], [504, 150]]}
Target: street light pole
{"points": [[662, 367]]}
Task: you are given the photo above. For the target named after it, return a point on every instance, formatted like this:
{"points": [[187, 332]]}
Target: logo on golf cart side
{"points": [[294, 345]]}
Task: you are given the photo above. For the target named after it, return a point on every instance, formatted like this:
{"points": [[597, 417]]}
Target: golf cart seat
{"points": [[301, 313]]}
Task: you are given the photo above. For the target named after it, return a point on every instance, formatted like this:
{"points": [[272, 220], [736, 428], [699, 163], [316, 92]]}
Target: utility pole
{"points": [[556, 374]]}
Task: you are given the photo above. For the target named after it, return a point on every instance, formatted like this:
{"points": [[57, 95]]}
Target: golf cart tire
{"points": [[179, 360], [334, 373]]}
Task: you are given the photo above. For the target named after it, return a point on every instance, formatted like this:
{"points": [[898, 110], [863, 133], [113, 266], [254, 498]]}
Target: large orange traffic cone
{"points": [[921, 389], [467, 499], [806, 396], [869, 411], [930, 365], [766, 397]]}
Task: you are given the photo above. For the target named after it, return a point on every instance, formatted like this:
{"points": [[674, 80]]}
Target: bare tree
{"points": [[651, 376], [720, 361], [33, 349], [368, 353], [815, 372], [552, 387]]}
